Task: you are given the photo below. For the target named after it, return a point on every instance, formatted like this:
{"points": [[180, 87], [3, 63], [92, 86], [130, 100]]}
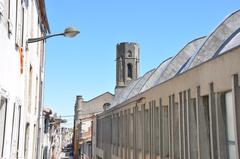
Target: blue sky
{"points": [[85, 65]]}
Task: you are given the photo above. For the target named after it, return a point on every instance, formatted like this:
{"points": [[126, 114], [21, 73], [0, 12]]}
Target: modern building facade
{"points": [[21, 77], [187, 107]]}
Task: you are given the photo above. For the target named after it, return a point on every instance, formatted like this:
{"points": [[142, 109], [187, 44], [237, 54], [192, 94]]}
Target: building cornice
{"points": [[43, 15]]}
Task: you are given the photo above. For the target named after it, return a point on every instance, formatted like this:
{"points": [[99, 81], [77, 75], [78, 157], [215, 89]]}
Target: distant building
{"points": [[55, 130], [127, 69], [46, 136], [85, 112], [67, 135], [53, 135], [21, 77], [187, 107]]}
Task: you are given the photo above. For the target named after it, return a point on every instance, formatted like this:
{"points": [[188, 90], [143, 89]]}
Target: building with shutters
{"points": [[21, 77], [187, 107]]}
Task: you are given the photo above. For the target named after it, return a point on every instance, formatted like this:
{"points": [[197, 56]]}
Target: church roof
{"points": [[224, 38]]}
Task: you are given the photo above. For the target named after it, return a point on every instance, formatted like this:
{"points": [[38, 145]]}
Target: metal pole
{"points": [[33, 40]]}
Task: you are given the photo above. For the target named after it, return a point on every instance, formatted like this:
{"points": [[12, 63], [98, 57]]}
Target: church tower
{"points": [[127, 63]]}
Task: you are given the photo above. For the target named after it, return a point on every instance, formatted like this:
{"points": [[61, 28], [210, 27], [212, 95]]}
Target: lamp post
{"points": [[68, 32]]}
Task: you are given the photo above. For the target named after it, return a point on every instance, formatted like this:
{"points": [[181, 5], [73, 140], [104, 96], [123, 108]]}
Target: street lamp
{"points": [[68, 32]]}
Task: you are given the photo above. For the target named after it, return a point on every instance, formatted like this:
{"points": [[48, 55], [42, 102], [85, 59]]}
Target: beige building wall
{"points": [[188, 107], [184, 116]]}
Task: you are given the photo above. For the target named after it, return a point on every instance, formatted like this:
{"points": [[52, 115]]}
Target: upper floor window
{"points": [[129, 68], [46, 124], [5, 15], [19, 28]]}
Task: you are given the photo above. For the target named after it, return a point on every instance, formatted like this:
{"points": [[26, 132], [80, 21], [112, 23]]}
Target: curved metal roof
{"points": [[225, 37], [178, 62], [123, 94], [151, 82], [233, 43], [137, 88], [217, 39], [131, 90]]}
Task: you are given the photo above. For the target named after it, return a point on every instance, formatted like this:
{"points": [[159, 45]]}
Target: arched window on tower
{"points": [[129, 54], [129, 67]]}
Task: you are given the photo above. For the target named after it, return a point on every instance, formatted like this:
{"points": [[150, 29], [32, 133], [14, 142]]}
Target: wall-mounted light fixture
{"points": [[68, 32]]}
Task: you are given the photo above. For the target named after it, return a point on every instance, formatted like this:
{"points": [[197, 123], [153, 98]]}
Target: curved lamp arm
{"points": [[33, 40], [68, 32]]}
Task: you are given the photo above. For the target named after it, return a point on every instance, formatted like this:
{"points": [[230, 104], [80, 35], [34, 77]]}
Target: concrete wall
{"points": [[183, 118]]}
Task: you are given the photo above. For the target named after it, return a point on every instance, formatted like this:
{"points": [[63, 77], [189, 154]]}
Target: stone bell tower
{"points": [[127, 63]]}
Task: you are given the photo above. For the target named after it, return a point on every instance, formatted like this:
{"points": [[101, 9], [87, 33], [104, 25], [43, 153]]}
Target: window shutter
{"points": [[1, 10], [19, 26], [5, 10], [9, 22]]}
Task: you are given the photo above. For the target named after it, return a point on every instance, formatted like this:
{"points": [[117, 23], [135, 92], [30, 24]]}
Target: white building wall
{"points": [[14, 85]]}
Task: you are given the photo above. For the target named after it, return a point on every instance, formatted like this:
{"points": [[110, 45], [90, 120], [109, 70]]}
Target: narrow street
{"points": [[143, 80]]}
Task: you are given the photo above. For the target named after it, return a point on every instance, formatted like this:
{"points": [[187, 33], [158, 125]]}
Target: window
{"points": [[3, 111], [34, 142], [9, 22], [15, 130], [6, 15], [46, 123], [129, 67], [26, 141], [129, 54], [231, 136], [45, 152], [5, 9], [13, 121], [36, 96], [19, 27], [32, 15], [18, 132], [30, 89]]}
